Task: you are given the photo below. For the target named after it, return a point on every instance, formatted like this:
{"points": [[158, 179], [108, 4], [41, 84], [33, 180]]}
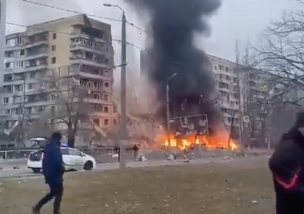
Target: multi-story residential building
{"points": [[76, 46], [228, 83], [2, 33], [243, 93]]}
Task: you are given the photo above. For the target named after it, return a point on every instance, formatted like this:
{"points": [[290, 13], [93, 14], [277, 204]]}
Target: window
{"points": [[29, 110], [8, 65], [53, 60], [40, 108], [54, 35], [52, 96], [106, 122], [106, 109], [74, 152], [96, 122], [19, 88], [19, 64], [9, 54], [31, 86], [96, 96], [64, 151], [215, 67], [106, 97], [53, 47], [32, 75], [107, 84], [5, 100], [53, 109], [22, 52]]}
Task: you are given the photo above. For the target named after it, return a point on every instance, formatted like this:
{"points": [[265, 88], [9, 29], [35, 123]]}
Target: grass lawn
{"points": [[230, 188]]}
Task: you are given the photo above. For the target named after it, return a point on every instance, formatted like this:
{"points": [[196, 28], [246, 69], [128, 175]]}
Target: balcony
{"points": [[77, 35], [76, 60], [94, 76], [94, 101], [41, 54], [79, 46], [36, 38], [227, 90], [36, 43], [26, 68]]}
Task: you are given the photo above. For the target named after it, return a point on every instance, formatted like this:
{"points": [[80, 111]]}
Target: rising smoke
{"points": [[173, 24]]}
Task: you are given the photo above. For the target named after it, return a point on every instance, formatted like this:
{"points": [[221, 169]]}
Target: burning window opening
{"points": [[194, 130]]}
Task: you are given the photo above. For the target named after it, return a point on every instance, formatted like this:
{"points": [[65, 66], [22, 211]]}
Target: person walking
{"points": [[287, 167], [53, 170]]}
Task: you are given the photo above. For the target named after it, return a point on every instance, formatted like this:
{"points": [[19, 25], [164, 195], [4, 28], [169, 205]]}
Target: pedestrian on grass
{"points": [[287, 167], [53, 169]]}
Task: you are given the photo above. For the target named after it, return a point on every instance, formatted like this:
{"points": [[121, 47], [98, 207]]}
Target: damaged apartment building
{"points": [[77, 46]]}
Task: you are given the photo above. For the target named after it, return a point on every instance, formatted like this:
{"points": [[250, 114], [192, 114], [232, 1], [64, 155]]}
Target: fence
{"points": [[21, 153]]}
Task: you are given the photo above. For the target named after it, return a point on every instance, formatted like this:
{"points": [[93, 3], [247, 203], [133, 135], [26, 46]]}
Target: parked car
{"points": [[73, 159]]}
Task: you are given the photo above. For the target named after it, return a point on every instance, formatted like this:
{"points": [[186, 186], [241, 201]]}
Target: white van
{"points": [[73, 159]]}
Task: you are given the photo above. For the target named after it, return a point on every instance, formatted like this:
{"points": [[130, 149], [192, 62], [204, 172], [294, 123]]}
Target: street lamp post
{"points": [[123, 88], [168, 107]]}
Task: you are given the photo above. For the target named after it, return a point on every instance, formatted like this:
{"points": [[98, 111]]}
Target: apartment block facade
{"points": [[228, 85], [78, 47], [2, 31]]}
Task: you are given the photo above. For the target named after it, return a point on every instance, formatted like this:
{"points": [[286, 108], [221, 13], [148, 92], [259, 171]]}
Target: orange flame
{"points": [[220, 140]]}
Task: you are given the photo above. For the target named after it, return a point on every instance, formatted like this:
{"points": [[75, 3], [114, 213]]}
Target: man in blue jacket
{"points": [[53, 169]]}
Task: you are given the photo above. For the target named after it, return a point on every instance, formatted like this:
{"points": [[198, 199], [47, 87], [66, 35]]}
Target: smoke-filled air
{"points": [[172, 26]]}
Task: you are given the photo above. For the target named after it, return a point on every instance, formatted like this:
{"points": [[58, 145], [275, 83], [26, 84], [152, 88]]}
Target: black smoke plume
{"points": [[173, 25]]}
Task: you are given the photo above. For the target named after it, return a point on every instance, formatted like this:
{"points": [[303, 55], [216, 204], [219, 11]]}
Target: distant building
{"points": [[2, 34], [78, 46]]}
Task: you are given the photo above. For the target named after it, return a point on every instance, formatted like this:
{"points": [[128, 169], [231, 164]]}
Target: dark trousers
{"points": [[56, 191], [288, 204]]}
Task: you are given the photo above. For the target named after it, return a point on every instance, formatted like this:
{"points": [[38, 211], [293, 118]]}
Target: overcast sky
{"points": [[237, 19]]}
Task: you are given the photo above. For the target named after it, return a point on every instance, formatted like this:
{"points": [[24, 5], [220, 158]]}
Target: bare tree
{"points": [[282, 52], [72, 105], [232, 125]]}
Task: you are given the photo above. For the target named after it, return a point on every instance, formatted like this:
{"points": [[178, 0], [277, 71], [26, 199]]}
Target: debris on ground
{"points": [[171, 157], [141, 158]]}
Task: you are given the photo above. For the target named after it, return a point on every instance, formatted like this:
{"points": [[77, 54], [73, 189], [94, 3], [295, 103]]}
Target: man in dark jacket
{"points": [[287, 167], [53, 169]]}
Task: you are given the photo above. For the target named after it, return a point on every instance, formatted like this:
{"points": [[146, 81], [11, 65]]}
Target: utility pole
{"points": [[23, 109], [239, 92], [168, 113], [123, 88], [168, 107], [123, 98]]}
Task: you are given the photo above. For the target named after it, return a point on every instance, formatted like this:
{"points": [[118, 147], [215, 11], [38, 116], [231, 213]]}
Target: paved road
{"points": [[23, 172]]}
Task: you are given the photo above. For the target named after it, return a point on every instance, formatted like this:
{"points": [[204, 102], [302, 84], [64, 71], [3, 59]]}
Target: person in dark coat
{"points": [[287, 167], [53, 169]]}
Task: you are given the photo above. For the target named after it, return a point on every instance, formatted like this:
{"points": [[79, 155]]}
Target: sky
{"points": [[242, 20]]}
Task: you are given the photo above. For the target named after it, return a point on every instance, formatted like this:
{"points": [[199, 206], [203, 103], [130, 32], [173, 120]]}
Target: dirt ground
{"points": [[242, 188]]}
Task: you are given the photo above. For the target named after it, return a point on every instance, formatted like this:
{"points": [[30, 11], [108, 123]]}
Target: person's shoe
{"points": [[35, 210], [57, 212]]}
